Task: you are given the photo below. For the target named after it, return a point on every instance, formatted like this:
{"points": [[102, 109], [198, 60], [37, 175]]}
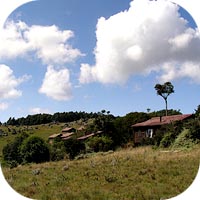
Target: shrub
{"points": [[11, 152], [57, 150], [73, 147], [103, 143], [34, 149], [167, 134], [167, 140], [194, 131], [183, 140]]}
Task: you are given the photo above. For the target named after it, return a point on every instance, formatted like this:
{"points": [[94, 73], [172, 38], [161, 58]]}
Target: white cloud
{"points": [[12, 41], [140, 40], [3, 106], [171, 71], [9, 83], [50, 44], [38, 110], [56, 84]]}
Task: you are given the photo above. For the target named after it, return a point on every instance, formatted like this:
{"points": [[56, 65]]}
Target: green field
{"points": [[137, 174], [43, 131]]}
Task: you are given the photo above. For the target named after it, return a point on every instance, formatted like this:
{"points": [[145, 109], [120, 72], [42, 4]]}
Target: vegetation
{"points": [[164, 91], [12, 152], [96, 144], [108, 159], [74, 147], [34, 149], [136, 173], [48, 118], [115, 132]]}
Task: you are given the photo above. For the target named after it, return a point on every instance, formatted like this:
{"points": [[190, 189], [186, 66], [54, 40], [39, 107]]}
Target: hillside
{"points": [[162, 167], [136, 173], [42, 131]]}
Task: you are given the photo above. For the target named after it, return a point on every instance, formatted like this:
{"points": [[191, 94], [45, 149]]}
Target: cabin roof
{"points": [[67, 129], [156, 121], [55, 136], [85, 136], [66, 135]]}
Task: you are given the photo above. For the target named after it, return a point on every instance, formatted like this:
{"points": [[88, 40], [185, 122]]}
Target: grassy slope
{"points": [[139, 173], [43, 131]]}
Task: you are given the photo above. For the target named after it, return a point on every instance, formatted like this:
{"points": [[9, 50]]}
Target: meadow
{"points": [[140, 173]]}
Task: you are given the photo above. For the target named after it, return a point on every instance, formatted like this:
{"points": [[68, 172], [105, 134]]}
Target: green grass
{"points": [[136, 174], [43, 131]]}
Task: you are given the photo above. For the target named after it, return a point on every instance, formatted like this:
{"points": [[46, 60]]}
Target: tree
{"points": [[164, 91], [103, 143], [74, 147], [11, 152], [34, 149]]}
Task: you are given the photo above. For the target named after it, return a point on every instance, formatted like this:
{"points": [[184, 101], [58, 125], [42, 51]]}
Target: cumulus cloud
{"points": [[171, 71], [50, 44], [56, 84], [38, 110], [9, 83], [142, 39], [47, 43]]}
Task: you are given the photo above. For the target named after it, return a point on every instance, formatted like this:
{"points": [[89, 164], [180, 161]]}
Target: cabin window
{"points": [[149, 133]]}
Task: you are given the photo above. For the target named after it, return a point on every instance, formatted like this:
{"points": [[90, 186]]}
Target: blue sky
{"points": [[64, 55]]}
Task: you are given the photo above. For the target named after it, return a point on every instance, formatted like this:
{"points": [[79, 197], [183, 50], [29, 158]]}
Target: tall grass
{"points": [[136, 174]]}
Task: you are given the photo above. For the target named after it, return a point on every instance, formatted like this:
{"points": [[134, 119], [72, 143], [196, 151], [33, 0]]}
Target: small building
{"points": [[66, 136], [147, 129], [55, 136], [68, 130], [84, 137]]}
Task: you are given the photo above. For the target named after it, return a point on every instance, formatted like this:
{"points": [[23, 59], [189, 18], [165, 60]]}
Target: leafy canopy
{"points": [[164, 90]]}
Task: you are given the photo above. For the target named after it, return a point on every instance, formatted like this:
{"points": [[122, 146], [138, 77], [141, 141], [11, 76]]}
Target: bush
{"points": [[11, 152], [194, 131], [34, 149], [73, 147], [167, 134], [103, 143], [57, 150], [183, 140], [167, 140]]}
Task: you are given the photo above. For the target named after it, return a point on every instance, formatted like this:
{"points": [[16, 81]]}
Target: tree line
{"points": [[38, 119]]}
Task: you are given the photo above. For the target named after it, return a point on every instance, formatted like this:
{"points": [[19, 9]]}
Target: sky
{"points": [[70, 55]]}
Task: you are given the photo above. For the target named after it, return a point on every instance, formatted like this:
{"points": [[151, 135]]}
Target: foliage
{"points": [[164, 91], [34, 149], [194, 130], [122, 132], [57, 150], [103, 143], [137, 173], [74, 147], [162, 113], [48, 118], [183, 141], [167, 134], [11, 152], [197, 112], [102, 121]]}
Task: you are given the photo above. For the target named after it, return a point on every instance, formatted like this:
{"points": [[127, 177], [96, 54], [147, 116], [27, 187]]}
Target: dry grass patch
{"points": [[139, 173]]}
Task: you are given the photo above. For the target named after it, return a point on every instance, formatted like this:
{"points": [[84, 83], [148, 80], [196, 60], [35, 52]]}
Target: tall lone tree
{"points": [[164, 91]]}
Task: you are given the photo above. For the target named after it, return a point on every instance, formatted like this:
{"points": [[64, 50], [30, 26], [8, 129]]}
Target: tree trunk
{"points": [[166, 107]]}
